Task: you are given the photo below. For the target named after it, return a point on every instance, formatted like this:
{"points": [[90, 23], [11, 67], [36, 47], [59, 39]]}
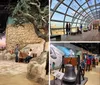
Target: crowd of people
{"points": [[88, 63], [68, 29]]}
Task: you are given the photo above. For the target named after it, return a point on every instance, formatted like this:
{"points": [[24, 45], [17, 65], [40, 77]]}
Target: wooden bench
{"points": [[58, 37]]}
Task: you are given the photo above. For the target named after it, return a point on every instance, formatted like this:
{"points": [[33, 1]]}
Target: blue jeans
{"points": [[16, 58], [27, 59]]}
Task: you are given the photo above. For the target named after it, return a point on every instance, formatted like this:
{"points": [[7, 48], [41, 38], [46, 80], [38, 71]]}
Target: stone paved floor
{"points": [[12, 73]]}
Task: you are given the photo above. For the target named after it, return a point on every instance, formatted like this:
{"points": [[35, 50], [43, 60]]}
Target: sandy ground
{"points": [[12, 73]]}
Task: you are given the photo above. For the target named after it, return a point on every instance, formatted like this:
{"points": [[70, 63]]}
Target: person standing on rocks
{"points": [[16, 52]]}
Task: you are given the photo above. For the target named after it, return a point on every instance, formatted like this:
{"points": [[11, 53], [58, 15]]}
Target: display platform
{"points": [[58, 82]]}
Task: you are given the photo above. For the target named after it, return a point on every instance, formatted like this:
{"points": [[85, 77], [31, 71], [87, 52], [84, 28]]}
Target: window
{"points": [[51, 13], [97, 1], [70, 12], [76, 14], [56, 24], [85, 6], [92, 8], [73, 25], [98, 9], [78, 25], [68, 19], [80, 17], [62, 8], [58, 16], [67, 2], [74, 5], [75, 20], [53, 4], [91, 2], [88, 10], [81, 1], [74, 11], [84, 14], [79, 21], [80, 10]]}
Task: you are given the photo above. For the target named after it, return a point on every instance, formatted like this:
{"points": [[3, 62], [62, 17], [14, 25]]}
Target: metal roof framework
{"points": [[79, 11]]}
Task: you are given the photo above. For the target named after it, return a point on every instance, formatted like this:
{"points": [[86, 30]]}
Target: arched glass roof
{"points": [[74, 11]]}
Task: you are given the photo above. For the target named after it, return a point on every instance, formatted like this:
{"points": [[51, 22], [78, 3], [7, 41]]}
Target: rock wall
{"points": [[21, 35]]}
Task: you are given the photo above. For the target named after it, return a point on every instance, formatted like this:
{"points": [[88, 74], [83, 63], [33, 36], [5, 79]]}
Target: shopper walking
{"points": [[93, 62], [81, 28], [82, 68]]}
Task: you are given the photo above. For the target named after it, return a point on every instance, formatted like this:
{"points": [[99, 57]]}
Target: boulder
{"points": [[5, 51], [9, 56], [36, 48], [36, 69]]}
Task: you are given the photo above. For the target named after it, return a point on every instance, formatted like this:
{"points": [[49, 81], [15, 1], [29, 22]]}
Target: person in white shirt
{"points": [[29, 57]]}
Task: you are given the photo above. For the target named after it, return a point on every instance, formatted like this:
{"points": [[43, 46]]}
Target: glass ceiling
{"points": [[74, 11]]}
